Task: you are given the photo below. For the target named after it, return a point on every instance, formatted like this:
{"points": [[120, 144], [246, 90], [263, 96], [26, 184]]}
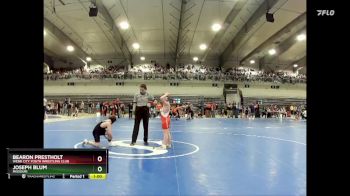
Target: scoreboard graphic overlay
{"points": [[57, 163]]}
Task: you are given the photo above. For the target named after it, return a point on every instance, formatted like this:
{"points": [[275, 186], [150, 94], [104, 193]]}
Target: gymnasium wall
{"points": [[157, 87]]}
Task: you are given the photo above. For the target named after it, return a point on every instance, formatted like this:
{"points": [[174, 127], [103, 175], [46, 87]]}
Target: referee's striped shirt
{"points": [[142, 100]]}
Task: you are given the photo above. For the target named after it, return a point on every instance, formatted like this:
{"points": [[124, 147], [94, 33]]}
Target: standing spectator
{"points": [[76, 104], [65, 106], [45, 105], [122, 110], [295, 111], [176, 112], [252, 110], [303, 114], [117, 109], [105, 109], [82, 106], [89, 107], [225, 109], [130, 110], [101, 107], [69, 108], [92, 107], [246, 111], [75, 111], [59, 105], [222, 109], [158, 107], [113, 108], [98, 107], [257, 110], [229, 110], [211, 108], [234, 110], [55, 108], [190, 111], [291, 109]]}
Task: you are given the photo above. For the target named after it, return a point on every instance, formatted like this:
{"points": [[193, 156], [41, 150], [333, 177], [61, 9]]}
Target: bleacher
{"points": [[186, 72], [195, 100], [275, 101]]}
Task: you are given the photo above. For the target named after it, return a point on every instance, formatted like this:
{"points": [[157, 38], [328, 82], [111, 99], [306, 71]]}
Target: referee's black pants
{"points": [[141, 113]]}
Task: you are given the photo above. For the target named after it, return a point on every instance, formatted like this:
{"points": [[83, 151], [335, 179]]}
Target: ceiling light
{"points": [[301, 37], [136, 45], [124, 25], [203, 47], [272, 51], [70, 48], [216, 27]]}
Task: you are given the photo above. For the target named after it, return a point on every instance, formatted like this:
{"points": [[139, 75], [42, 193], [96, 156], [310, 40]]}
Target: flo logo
{"points": [[325, 12], [121, 149]]}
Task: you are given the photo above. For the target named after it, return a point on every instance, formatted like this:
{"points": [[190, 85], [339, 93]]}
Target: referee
{"points": [[141, 101]]}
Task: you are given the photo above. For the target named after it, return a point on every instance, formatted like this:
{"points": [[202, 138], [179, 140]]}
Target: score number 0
{"points": [[99, 159]]}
